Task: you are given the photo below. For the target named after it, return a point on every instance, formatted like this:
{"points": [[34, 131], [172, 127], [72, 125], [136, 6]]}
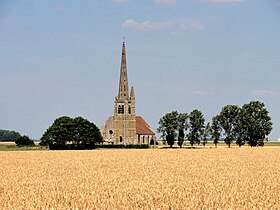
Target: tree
{"points": [[182, 126], [85, 132], [239, 130], [24, 141], [256, 123], [60, 132], [7, 135], [228, 119], [76, 131], [196, 122], [215, 130], [168, 125], [206, 134]]}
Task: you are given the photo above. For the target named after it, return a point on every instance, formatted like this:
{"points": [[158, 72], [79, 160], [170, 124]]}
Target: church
{"points": [[124, 127]]}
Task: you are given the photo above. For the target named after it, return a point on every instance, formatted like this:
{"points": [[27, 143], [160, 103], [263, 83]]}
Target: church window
{"points": [[120, 109], [129, 110], [152, 142], [121, 139], [110, 132]]}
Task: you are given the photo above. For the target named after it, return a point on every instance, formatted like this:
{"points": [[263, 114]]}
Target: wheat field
{"points": [[220, 178]]}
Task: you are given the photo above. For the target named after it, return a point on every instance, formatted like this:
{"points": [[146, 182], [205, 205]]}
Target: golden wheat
{"points": [[141, 179]]}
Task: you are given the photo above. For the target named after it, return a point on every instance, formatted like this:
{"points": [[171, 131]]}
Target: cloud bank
{"points": [[145, 26], [178, 28]]}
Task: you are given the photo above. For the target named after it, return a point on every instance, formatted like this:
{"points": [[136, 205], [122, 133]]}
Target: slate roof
{"points": [[142, 127]]}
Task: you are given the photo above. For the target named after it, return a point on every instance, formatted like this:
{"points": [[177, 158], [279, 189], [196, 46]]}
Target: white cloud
{"points": [[171, 2], [221, 1], [187, 26], [120, 1], [263, 92], [178, 28], [146, 25]]}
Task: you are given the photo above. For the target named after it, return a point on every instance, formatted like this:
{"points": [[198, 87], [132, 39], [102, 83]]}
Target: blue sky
{"points": [[62, 57]]}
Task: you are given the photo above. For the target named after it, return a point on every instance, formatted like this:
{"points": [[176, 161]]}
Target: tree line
{"points": [[13, 136], [7, 135], [64, 133], [249, 124], [76, 132]]}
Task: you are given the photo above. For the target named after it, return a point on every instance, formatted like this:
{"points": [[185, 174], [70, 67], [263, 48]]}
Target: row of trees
{"points": [[250, 124], [75, 131], [7, 135], [13, 136]]}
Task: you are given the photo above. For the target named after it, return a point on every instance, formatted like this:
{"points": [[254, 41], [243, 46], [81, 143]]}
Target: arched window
{"points": [[121, 139], [152, 142], [129, 110], [120, 109]]}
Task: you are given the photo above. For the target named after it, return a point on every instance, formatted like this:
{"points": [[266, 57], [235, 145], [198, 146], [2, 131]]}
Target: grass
{"points": [[220, 144], [272, 143], [11, 146], [237, 178]]}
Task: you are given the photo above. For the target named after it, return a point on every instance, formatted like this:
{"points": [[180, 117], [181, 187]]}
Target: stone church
{"points": [[125, 127]]}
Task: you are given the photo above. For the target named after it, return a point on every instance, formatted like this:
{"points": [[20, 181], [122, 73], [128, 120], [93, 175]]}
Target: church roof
{"points": [[142, 128]]}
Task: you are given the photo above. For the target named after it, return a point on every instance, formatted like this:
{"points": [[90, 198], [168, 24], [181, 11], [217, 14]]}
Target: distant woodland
{"points": [[7, 135]]}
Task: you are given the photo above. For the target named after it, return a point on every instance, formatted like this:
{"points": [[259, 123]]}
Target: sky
{"points": [[62, 58]]}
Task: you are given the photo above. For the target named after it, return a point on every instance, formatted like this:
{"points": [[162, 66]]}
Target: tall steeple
{"points": [[132, 94], [123, 85]]}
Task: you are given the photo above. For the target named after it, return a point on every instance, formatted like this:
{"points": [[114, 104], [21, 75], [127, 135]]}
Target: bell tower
{"points": [[124, 108]]}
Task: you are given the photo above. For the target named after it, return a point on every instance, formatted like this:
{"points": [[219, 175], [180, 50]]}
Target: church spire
{"points": [[132, 94], [123, 85]]}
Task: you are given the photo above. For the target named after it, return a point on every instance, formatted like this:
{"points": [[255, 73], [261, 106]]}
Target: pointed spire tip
{"points": [[132, 94]]}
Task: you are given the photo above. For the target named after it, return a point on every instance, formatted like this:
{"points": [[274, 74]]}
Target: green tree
{"points": [[182, 126], [256, 123], [239, 130], [196, 122], [7, 135], [76, 131], [24, 141], [85, 132], [229, 119], [168, 125], [206, 134], [215, 130], [60, 132]]}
